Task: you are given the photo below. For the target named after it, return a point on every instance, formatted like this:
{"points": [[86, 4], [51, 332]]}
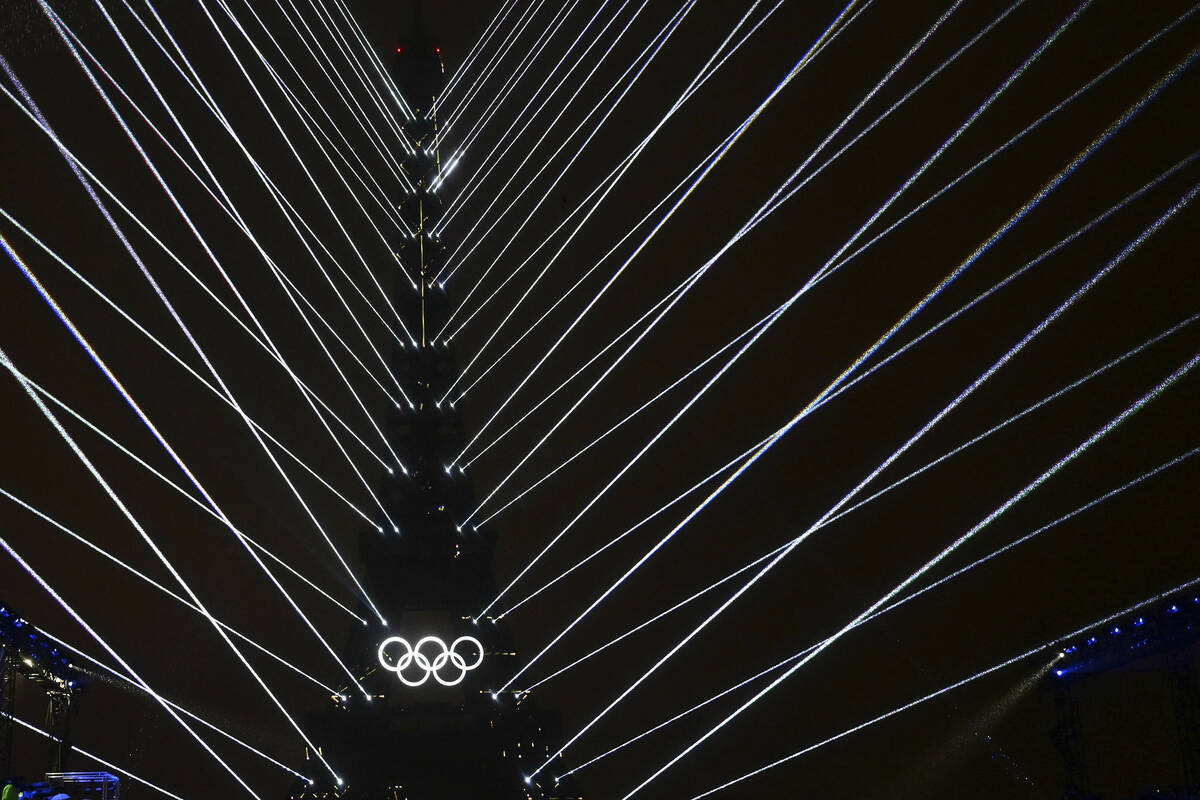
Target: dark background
{"points": [[988, 740]]}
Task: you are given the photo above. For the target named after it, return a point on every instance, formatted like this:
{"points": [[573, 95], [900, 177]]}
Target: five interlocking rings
{"points": [[413, 657]]}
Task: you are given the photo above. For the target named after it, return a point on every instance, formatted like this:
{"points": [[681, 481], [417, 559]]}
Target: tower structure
{"points": [[433, 727]]}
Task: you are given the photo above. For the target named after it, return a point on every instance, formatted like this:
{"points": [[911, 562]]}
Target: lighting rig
{"points": [[27, 653], [1173, 625], [1169, 631]]}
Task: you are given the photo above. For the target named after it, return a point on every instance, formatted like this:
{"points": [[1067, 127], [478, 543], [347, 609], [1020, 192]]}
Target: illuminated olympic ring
{"points": [[413, 656]]}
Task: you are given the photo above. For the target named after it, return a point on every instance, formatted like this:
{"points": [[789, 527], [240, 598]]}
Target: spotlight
{"points": [[1058, 672]]}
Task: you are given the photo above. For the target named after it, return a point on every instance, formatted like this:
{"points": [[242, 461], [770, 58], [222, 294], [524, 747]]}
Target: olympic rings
{"points": [[413, 656]]}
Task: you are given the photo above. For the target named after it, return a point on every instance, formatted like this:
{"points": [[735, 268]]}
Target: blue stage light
{"points": [[1139, 622], [1172, 609], [1058, 672], [1116, 631]]}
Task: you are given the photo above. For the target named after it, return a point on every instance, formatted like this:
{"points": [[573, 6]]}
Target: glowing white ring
{"points": [[412, 656]]}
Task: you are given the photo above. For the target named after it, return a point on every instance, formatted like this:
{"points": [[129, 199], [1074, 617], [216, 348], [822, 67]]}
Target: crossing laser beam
{"points": [[198, 503], [119, 676], [886, 609], [129, 400], [160, 587], [527, 61], [502, 14], [92, 178], [4, 361], [179, 322], [102, 762], [770, 207], [514, 35], [231, 209], [221, 203], [1078, 450], [145, 536], [692, 281], [480, 175], [1050, 645], [645, 57], [804, 59], [1046, 322], [958, 400], [887, 489], [308, 174], [174, 357]]}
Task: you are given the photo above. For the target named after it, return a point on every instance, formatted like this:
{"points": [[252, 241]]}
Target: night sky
{"points": [[988, 740]]}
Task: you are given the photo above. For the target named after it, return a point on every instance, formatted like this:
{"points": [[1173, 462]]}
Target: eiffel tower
{"points": [[460, 741]]}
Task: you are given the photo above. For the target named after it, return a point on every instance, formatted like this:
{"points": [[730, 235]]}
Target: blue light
{"points": [[1058, 672], [1072, 649], [1092, 640], [1172, 609], [1116, 631], [1139, 622]]}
